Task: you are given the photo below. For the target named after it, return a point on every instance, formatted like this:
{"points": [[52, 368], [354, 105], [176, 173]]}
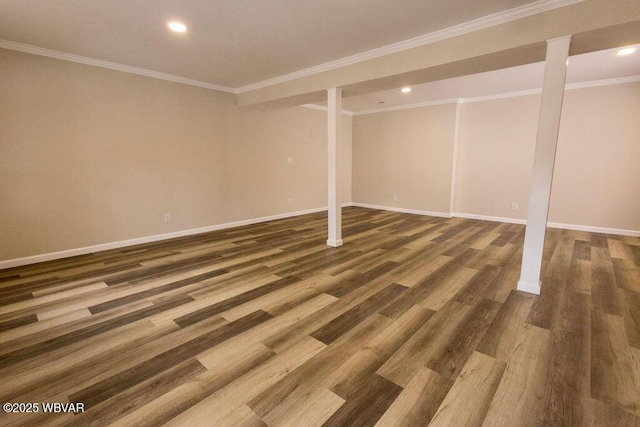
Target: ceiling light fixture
{"points": [[626, 51], [177, 27], [405, 90]]}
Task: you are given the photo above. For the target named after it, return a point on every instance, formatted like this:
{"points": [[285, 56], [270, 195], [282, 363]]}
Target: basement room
{"points": [[312, 213]]}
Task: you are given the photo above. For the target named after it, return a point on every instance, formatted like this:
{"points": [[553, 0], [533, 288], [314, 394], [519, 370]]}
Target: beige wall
{"points": [[408, 153], [596, 175], [345, 161], [91, 156], [261, 181], [495, 156]]}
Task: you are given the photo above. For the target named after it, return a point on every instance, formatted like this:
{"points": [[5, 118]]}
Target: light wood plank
{"points": [[419, 400], [214, 409], [517, 401], [470, 396]]}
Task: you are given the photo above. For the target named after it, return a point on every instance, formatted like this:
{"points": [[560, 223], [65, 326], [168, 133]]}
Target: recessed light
{"points": [[178, 27], [626, 51], [405, 90]]}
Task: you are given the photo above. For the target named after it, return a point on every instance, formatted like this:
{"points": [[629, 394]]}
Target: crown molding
{"points": [[604, 82], [322, 108], [408, 106], [464, 28], [502, 95], [56, 54], [457, 30], [570, 86]]}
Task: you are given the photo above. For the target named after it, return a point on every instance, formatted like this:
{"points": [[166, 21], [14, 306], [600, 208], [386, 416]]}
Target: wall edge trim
{"points": [[85, 60], [477, 24], [576, 227], [402, 210], [592, 229], [18, 262]]}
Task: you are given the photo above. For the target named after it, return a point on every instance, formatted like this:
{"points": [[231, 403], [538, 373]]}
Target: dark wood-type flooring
{"points": [[414, 321]]}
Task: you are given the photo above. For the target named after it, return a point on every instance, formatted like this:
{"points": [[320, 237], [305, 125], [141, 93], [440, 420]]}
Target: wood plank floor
{"points": [[414, 321]]}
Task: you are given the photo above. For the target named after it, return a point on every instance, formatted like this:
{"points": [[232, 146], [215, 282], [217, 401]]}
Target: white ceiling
{"points": [[590, 67], [233, 43]]}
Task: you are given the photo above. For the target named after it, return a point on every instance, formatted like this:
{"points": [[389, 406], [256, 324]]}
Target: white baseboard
{"points": [[633, 233], [148, 239], [17, 262], [403, 210], [589, 228], [490, 218]]}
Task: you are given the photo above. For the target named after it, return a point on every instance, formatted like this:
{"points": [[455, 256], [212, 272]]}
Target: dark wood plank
{"points": [[155, 291], [419, 292], [319, 367], [501, 337], [347, 320], [481, 286], [475, 386], [449, 358], [212, 310], [614, 378], [140, 394], [90, 331], [430, 340], [604, 288], [351, 376], [419, 401], [20, 321], [568, 388], [111, 386], [631, 315], [582, 250], [546, 308], [345, 286], [367, 407]]}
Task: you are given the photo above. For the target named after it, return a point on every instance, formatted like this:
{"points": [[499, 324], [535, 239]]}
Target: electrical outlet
{"points": [[289, 160], [514, 206], [395, 197], [290, 202], [167, 217]]}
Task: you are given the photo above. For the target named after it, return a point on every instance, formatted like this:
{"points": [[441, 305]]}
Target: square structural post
{"points": [[555, 71], [334, 116]]}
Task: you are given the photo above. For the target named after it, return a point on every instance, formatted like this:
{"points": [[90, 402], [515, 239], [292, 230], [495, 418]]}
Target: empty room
{"points": [[306, 213]]}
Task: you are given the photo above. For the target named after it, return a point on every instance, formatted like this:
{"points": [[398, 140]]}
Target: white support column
{"points": [[454, 163], [547, 139], [333, 137]]}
